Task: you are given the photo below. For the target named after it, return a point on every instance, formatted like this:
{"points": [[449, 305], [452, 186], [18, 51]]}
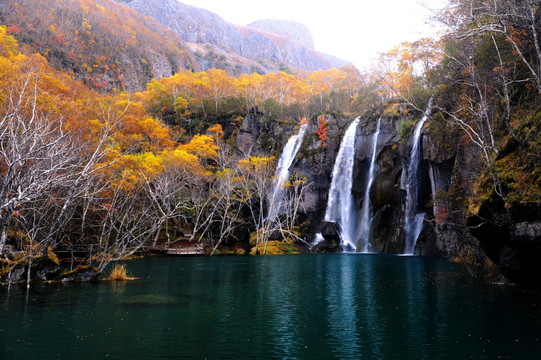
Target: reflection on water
{"points": [[342, 306]]}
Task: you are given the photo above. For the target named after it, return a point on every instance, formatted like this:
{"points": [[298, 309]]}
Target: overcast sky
{"points": [[354, 30]]}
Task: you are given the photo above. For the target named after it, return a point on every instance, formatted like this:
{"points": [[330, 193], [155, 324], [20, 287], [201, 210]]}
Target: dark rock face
{"points": [[526, 232], [45, 269], [42, 269], [513, 245], [261, 136], [81, 275], [385, 194], [510, 243], [249, 134], [315, 162]]}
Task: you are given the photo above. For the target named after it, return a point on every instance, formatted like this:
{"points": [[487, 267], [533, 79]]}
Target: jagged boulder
{"points": [[331, 242]]}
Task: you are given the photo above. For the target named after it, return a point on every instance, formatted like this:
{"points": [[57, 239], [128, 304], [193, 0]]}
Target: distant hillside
{"points": [[101, 42], [294, 30], [109, 45], [290, 47], [336, 62]]}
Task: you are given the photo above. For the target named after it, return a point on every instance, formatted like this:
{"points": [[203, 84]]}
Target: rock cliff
{"points": [[448, 168], [294, 30], [264, 46]]}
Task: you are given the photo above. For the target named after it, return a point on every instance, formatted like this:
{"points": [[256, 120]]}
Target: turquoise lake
{"points": [[342, 306]]}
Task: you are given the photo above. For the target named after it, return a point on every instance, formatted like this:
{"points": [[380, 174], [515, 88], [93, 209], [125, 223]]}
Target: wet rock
{"points": [[330, 232], [81, 274], [16, 274], [45, 269], [526, 232], [315, 162]]}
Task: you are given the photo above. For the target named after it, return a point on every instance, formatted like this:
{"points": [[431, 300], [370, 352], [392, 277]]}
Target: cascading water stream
{"points": [[318, 237], [438, 180], [414, 220], [281, 174], [340, 204], [366, 213]]}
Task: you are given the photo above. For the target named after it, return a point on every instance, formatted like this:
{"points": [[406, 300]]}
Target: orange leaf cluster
{"points": [[442, 213], [321, 131]]}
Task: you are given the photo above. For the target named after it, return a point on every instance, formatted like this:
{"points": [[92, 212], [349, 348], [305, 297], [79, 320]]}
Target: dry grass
{"points": [[119, 273]]}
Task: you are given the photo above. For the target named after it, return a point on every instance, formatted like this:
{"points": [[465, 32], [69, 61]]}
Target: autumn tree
{"points": [[516, 21], [257, 191], [405, 71]]}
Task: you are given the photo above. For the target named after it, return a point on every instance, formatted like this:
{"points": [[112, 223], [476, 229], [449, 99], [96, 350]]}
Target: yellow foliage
{"points": [[132, 170], [225, 173], [180, 104], [102, 9], [86, 24], [8, 44], [181, 161], [275, 247], [216, 131], [147, 163], [157, 134], [203, 146], [257, 162]]}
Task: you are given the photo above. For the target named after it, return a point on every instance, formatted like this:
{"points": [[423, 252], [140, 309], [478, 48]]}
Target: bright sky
{"points": [[354, 30]]}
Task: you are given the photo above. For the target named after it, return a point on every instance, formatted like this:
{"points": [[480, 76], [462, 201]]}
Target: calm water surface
{"points": [[342, 306]]}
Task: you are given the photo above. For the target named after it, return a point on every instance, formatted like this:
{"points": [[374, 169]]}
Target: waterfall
{"points": [[439, 179], [414, 220], [282, 172], [318, 237], [366, 213], [340, 204]]}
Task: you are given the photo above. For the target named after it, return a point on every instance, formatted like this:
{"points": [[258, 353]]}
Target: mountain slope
{"points": [[294, 30], [108, 45], [101, 42], [200, 26]]}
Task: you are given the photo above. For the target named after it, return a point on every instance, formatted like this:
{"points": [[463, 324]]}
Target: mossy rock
{"points": [[80, 274]]}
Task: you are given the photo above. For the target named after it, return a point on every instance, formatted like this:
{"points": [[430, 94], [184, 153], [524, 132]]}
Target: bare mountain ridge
{"points": [[294, 30], [271, 43]]}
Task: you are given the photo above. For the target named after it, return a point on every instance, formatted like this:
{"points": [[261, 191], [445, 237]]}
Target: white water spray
{"points": [[366, 211], [282, 172], [318, 237], [340, 204], [414, 220]]}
